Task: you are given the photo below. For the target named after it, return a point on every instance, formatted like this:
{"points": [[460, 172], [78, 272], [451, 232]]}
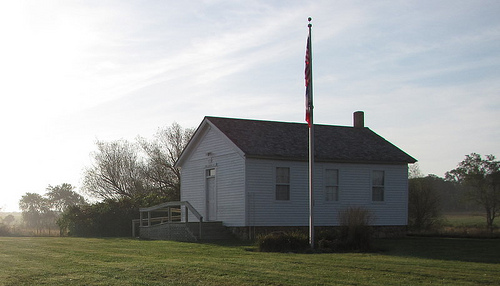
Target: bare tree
{"points": [[414, 171], [115, 172], [119, 171], [162, 153], [481, 177]]}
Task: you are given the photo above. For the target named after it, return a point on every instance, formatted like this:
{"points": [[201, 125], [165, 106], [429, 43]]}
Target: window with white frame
{"points": [[331, 185], [378, 186], [210, 173], [282, 183]]}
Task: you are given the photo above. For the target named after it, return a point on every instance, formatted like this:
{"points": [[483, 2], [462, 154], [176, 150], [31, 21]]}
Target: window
{"points": [[282, 184], [331, 185], [378, 184], [210, 173]]}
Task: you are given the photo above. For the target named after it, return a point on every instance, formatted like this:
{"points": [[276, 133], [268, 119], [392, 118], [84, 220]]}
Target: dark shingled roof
{"points": [[289, 141]]}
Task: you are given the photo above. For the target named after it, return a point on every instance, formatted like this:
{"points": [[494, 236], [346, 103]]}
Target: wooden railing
{"points": [[174, 214]]}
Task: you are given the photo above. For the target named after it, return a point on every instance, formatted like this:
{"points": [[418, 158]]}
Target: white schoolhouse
{"points": [[252, 174]]}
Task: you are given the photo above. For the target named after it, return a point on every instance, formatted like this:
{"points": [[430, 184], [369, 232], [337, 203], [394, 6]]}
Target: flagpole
{"points": [[311, 140]]}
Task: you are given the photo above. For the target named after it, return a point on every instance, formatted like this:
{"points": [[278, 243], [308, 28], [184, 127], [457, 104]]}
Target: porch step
{"points": [[211, 230]]}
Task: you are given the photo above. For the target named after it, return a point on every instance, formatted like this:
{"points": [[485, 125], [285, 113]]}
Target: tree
{"points": [[108, 218], [126, 176], [9, 219], [62, 196], [115, 172], [414, 171], [452, 196], [36, 211], [423, 202], [162, 153], [41, 212], [119, 171], [4, 230], [481, 177]]}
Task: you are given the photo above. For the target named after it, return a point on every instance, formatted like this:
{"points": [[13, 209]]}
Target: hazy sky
{"points": [[426, 73]]}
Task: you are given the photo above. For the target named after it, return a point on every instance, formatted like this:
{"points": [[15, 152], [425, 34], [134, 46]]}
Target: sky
{"points": [[426, 74]]}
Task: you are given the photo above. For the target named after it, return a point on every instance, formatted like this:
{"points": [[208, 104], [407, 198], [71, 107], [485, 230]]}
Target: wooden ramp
{"points": [[174, 224]]}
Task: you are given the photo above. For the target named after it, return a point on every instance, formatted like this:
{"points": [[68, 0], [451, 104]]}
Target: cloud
{"points": [[426, 73]]}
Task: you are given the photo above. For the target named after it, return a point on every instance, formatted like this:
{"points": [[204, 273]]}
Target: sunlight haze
{"points": [[426, 73]]}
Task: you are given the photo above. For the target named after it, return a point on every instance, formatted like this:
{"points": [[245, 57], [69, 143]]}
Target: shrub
{"points": [[329, 240], [4, 230], [423, 204], [355, 231], [331, 245], [105, 219], [283, 242]]}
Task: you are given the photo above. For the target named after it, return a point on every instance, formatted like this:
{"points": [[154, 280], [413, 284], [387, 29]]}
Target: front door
{"points": [[211, 195]]}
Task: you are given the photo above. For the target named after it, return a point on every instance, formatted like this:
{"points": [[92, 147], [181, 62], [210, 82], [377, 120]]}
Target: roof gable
{"points": [[289, 141], [198, 136]]}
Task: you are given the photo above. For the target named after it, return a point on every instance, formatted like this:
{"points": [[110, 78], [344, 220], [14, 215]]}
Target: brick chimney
{"points": [[359, 119]]}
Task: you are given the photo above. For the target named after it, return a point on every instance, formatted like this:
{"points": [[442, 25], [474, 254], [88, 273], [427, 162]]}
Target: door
{"points": [[211, 195]]}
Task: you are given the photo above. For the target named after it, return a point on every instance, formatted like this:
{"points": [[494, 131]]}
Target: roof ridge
{"points": [[278, 139], [277, 121]]}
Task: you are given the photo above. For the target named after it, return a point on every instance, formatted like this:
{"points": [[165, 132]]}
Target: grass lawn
{"points": [[467, 219], [92, 261]]}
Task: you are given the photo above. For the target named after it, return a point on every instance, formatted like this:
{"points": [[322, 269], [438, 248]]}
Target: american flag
{"points": [[308, 80]]}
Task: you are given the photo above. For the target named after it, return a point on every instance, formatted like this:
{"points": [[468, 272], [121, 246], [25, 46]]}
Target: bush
{"points": [[353, 234], [331, 245], [423, 204], [110, 218], [355, 231], [329, 241], [4, 230], [105, 219], [283, 242]]}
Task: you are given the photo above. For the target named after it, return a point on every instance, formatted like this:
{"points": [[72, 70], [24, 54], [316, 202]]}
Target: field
{"points": [[464, 224], [468, 219], [92, 261]]}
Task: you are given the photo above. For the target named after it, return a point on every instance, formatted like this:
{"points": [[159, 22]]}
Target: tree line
{"points": [[41, 211], [473, 185], [5, 224], [122, 177]]}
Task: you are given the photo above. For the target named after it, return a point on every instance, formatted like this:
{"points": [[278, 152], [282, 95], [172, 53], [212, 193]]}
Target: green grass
{"points": [[465, 224], [84, 261], [468, 219]]}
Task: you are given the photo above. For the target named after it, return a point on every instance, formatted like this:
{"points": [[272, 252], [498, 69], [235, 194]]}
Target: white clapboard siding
{"points": [[230, 181], [264, 210], [355, 191], [354, 185], [213, 150]]}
